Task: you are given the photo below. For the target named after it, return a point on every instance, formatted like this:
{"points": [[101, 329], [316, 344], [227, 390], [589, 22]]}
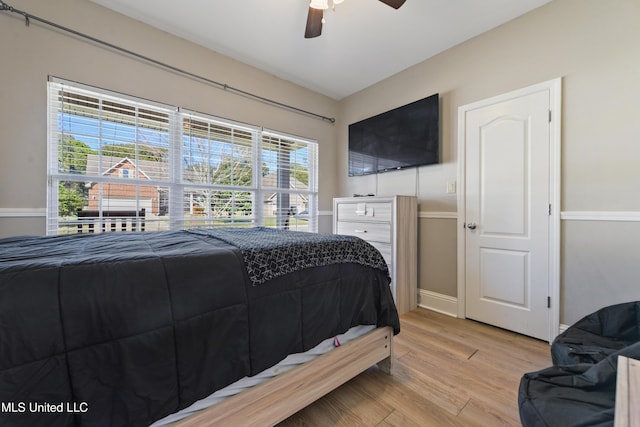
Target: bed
{"points": [[128, 328]]}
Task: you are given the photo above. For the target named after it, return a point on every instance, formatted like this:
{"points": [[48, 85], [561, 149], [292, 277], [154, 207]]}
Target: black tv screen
{"points": [[404, 137]]}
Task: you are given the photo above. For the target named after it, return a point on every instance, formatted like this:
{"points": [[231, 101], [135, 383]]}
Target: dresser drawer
{"points": [[369, 231], [373, 211]]}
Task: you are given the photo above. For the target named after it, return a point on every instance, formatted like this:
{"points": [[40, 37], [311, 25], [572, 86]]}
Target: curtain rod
{"points": [[28, 17]]}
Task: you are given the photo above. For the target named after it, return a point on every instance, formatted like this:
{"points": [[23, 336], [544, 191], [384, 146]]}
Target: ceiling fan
{"points": [[315, 16]]}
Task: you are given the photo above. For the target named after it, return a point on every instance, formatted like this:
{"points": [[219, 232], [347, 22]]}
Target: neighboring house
{"points": [[297, 202], [123, 196]]}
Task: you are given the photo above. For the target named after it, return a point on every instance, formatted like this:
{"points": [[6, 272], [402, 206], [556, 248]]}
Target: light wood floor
{"points": [[446, 372]]}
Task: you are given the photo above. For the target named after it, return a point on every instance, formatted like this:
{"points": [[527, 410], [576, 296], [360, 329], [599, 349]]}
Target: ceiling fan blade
{"points": [[314, 23], [393, 3]]}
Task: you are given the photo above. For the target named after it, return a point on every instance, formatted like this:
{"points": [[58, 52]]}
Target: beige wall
{"points": [[593, 46], [30, 54]]}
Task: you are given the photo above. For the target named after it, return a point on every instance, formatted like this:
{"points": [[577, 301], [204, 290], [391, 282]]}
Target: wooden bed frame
{"points": [[280, 397], [627, 412]]}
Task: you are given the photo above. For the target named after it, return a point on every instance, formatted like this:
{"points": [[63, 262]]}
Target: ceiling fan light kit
{"points": [[319, 4], [315, 17], [324, 4]]}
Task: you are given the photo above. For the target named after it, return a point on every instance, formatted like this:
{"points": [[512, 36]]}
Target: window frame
{"points": [[175, 186]]}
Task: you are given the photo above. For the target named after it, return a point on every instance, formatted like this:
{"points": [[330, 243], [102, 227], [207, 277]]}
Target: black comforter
{"points": [[124, 329]]}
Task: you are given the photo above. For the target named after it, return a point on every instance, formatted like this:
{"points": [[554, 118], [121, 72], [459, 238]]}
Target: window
{"points": [[289, 186], [111, 156]]}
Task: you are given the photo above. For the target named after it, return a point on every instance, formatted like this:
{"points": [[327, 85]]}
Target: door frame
{"points": [[554, 87]]}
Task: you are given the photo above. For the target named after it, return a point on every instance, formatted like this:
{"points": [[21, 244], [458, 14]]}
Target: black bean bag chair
{"points": [[577, 395], [596, 336]]}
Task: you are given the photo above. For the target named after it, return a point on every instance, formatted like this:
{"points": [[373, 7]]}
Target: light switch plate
{"points": [[451, 187]]}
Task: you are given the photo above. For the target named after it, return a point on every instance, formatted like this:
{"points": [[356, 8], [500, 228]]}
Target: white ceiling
{"points": [[362, 41]]}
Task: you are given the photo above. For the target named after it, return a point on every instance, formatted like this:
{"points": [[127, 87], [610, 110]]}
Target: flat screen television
{"points": [[406, 136]]}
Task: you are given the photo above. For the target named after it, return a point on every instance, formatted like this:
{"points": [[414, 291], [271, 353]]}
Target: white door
{"points": [[507, 213]]}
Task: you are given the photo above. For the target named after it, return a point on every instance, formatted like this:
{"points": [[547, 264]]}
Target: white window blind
{"points": [[219, 180], [120, 163], [289, 181]]}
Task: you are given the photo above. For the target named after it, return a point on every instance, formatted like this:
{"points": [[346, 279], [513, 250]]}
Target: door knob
{"points": [[471, 226]]}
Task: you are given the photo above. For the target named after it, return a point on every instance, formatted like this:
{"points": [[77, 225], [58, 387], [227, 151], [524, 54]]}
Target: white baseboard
{"points": [[440, 303], [448, 305]]}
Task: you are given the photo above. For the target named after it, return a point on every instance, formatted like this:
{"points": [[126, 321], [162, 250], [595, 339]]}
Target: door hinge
{"points": [[548, 302], [549, 116], [549, 209]]}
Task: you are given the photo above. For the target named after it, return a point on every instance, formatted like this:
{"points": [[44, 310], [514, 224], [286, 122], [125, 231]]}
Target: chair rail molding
{"points": [[438, 215], [22, 212], [625, 216]]}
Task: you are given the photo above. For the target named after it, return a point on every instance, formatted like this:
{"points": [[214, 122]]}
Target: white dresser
{"points": [[391, 225]]}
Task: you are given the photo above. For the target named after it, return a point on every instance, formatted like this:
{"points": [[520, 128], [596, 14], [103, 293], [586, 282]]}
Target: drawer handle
{"points": [[360, 231]]}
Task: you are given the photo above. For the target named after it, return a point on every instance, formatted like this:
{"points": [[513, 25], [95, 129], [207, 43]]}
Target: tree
{"points": [[72, 158], [229, 171], [72, 155], [70, 199], [145, 152]]}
